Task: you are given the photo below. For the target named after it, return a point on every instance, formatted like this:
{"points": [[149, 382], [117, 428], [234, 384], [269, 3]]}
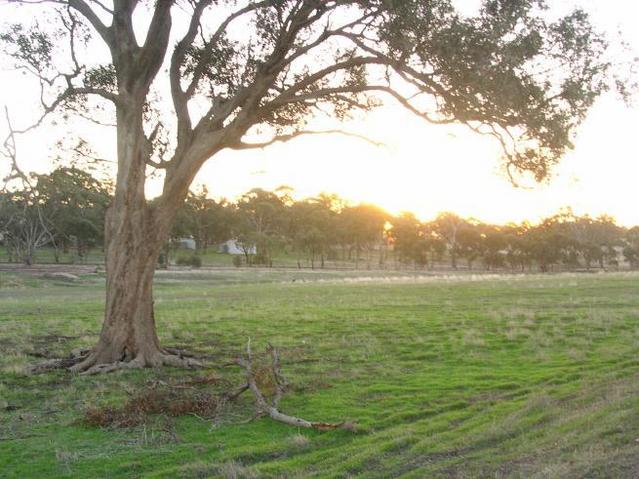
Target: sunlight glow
{"points": [[427, 169]]}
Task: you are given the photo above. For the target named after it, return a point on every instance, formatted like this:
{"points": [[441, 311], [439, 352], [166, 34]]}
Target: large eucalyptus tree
{"points": [[229, 66]]}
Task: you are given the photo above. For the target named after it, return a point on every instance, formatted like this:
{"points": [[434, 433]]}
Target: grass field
{"points": [[514, 376]]}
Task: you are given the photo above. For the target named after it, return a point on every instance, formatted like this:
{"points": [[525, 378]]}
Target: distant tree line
{"points": [[264, 224], [66, 209], [564, 241]]}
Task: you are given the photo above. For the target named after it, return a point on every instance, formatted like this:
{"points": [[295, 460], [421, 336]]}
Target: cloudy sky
{"points": [[421, 168]]}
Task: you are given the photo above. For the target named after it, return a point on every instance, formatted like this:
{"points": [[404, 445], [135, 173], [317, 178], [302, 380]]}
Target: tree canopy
{"points": [[510, 70]]}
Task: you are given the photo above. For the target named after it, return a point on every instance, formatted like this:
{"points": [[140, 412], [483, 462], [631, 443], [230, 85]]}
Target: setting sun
{"points": [[427, 169]]}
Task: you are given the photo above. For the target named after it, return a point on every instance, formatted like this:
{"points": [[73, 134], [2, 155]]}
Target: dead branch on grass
{"points": [[264, 407]]}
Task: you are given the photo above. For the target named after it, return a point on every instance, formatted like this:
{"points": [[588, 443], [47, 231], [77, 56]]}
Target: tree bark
{"points": [[128, 338], [135, 233], [128, 333]]}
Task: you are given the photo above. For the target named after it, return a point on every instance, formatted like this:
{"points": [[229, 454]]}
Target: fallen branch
{"points": [[264, 407]]}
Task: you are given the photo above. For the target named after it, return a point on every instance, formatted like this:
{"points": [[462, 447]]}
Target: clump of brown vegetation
{"points": [[167, 401]]}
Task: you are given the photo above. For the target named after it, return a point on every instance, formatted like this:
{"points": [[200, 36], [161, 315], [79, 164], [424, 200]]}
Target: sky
{"points": [[420, 167]]}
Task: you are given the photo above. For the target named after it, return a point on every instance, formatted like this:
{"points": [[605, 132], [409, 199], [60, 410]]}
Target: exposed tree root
{"points": [[271, 409], [59, 363], [86, 370], [180, 361], [183, 353], [85, 362], [90, 365]]}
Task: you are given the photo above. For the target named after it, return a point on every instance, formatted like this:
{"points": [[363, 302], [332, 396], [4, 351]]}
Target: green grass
{"points": [[514, 376]]}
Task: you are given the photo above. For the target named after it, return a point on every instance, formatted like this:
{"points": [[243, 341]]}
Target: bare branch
{"points": [[66, 95], [264, 407], [10, 152], [87, 12], [177, 59], [102, 6], [156, 42], [319, 75], [326, 34], [28, 232], [326, 93], [291, 136]]}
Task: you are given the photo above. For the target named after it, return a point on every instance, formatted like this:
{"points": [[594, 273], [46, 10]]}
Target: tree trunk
{"points": [[128, 338], [135, 233], [128, 331], [29, 255]]}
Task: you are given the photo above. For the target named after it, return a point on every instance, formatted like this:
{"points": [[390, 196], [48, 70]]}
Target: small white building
{"points": [[232, 247], [623, 263], [186, 243]]}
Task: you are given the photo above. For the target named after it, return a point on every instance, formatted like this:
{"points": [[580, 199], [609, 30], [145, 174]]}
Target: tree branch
{"points": [[264, 407], [328, 92], [201, 66], [288, 137], [157, 39], [180, 99], [87, 12], [10, 152], [319, 75]]}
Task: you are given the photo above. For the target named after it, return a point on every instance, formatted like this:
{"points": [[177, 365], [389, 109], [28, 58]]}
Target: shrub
{"points": [[192, 260], [196, 261], [262, 259], [237, 261]]}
